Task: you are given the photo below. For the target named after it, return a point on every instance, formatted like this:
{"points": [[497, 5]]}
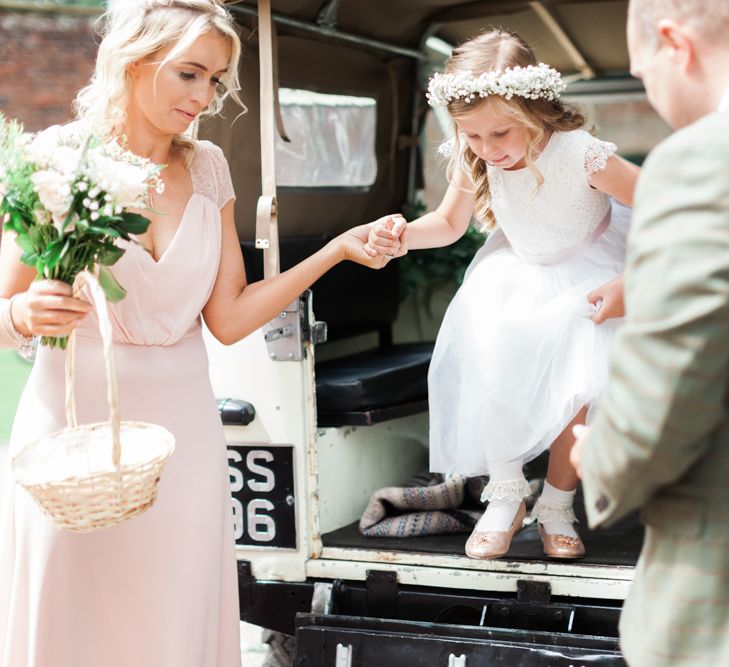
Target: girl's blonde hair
{"points": [[132, 30], [495, 51]]}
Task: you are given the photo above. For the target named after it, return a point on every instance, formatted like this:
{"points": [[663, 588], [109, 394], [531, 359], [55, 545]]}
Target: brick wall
{"points": [[44, 60]]}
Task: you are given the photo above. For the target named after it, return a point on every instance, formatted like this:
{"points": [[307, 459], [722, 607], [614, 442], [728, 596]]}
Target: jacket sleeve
{"points": [[668, 381]]}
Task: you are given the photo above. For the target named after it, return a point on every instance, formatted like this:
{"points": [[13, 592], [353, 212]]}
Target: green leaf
{"points": [[113, 290], [53, 252], [112, 233], [133, 223], [97, 231], [110, 254], [26, 245], [18, 221], [29, 258], [37, 234]]}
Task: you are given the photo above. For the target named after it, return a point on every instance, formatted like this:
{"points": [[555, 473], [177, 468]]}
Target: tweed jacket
{"points": [[660, 440]]}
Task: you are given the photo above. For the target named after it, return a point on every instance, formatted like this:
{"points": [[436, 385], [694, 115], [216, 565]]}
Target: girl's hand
{"points": [[610, 296], [352, 246], [48, 309], [386, 236]]}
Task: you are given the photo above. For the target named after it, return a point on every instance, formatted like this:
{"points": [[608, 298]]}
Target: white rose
{"points": [[127, 184], [44, 145], [54, 191], [57, 146], [66, 159]]}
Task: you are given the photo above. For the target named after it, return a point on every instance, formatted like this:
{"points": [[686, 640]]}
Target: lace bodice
{"points": [[210, 173], [564, 210]]}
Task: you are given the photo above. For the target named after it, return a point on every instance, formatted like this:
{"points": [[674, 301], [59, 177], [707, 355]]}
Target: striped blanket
{"points": [[429, 506]]}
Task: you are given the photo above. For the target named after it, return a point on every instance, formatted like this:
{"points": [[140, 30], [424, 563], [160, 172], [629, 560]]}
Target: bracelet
{"points": [[25, 344]]}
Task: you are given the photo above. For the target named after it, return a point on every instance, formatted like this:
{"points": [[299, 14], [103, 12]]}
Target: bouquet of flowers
{"points": [[67, 196]]}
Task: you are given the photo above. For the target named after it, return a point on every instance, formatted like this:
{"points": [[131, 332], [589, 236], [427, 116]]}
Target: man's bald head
{"points": [[680, 50], [709, 18]]}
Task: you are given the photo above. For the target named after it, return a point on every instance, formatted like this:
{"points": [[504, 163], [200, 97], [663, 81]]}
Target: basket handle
{"points": [[99, 301]]}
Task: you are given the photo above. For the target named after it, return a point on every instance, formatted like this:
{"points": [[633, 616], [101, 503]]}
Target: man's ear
{"points": [[675, 37]]}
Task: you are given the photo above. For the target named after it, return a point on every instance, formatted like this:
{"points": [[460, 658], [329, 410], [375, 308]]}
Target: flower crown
{"points": [[530, 82]]}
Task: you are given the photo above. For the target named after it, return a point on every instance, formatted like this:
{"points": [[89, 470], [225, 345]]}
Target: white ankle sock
{"points": [[499, 516], [555, 506], [506, 489]]}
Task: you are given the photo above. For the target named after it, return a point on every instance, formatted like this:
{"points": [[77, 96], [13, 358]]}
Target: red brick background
{"points": [[44, 61]]}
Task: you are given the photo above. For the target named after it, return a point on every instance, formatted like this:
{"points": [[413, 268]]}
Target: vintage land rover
{"points": [[328, 402]]}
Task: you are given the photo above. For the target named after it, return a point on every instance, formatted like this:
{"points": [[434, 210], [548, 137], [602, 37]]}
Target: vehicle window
{"points": [[332, 140]]}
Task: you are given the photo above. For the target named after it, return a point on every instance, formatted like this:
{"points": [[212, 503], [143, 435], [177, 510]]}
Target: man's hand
{"points": [[609, 300]]}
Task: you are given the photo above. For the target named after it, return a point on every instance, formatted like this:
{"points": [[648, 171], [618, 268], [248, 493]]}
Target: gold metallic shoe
{"points": [[494, 543], [561, 546]]}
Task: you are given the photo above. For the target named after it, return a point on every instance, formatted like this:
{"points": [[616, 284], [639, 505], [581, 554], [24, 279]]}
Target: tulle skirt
{"points": [[517, 355]]}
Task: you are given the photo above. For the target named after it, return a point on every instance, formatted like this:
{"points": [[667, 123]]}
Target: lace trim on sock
{"points": [[514, 490], [546, 512]]}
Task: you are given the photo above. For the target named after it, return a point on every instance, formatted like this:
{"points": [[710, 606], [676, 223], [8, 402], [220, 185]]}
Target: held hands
{"points": [[388, 237], [48, 309], [608, 300], [355, 245]]}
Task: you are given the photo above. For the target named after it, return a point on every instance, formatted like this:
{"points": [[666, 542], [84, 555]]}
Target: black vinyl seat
{"points": [[368, 387], [373, 386]]}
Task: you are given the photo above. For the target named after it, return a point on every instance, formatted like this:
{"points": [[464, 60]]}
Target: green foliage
{"points": [[422, 272]]}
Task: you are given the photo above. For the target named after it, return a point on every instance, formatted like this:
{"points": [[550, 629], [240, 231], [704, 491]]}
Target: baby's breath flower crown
{"points": [[530, 82]]}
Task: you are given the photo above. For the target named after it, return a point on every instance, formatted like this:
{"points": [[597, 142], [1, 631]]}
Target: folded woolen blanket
{"points": [[409, 511]]}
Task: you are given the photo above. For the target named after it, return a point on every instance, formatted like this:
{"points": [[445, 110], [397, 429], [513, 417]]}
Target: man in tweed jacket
{"points": [[660, 441]]}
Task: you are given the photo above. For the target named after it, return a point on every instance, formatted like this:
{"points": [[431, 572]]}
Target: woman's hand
{"points": [[48, 308], [610, 299]]}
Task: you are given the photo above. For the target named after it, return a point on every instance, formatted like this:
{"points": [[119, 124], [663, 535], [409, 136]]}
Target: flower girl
{"points": [[518, 360]]}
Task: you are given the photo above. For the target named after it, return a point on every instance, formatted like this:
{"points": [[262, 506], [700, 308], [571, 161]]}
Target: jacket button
{"points": [[601, 504]]}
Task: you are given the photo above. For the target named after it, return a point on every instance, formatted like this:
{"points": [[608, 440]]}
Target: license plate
{"points": [[262, 483]]}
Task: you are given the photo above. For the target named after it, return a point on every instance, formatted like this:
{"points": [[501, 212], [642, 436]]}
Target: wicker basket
{"points": [[97, 475]]}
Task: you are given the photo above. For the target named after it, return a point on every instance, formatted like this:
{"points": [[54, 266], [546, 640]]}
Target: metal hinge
{"points": [[286, 335]]}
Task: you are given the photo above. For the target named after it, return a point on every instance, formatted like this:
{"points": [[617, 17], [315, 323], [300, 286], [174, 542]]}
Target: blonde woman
{"points": [[160, 590], [520, 356]]}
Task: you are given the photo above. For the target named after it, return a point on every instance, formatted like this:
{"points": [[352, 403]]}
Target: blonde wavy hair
{"points": [[495, 51], [133, 30]]}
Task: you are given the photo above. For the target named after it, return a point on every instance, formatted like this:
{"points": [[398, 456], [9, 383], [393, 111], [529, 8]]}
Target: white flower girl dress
{"points": [[517, 355]]}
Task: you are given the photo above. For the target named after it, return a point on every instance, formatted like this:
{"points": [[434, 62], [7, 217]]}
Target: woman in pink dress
{"points": [[159, 590]]}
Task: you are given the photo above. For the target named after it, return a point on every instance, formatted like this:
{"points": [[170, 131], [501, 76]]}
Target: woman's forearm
{"points": [[261, 301]]}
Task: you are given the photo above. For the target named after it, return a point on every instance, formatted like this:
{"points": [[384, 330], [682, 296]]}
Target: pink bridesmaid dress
{"points": [[161, 589]]}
